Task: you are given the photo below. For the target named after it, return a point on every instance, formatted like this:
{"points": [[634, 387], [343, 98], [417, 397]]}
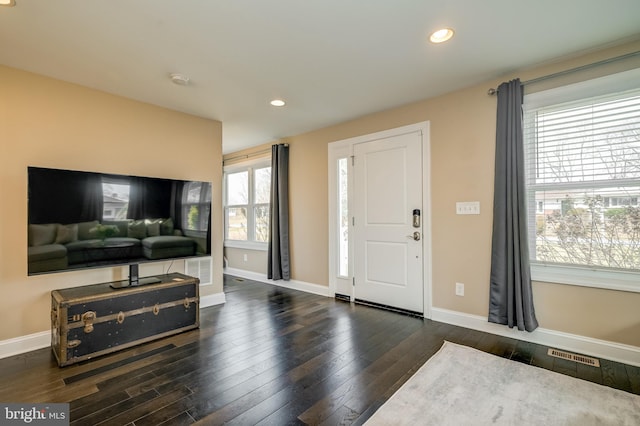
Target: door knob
{"points": [[415, 236]]}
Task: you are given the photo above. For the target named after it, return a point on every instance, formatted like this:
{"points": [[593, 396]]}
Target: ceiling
{"points": [[331, 60]]}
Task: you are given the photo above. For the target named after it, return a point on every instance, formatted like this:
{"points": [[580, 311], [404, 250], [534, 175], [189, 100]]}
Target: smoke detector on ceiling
{"points": [[180, 79]]}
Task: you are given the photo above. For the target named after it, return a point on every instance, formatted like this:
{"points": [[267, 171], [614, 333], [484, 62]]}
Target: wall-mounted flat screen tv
{"points": [[80, 219]]}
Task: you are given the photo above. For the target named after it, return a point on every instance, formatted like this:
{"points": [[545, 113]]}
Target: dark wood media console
{"points": [[98, 319]]}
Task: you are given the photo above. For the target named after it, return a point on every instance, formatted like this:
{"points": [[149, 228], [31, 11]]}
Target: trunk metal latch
{"points": [[88, 318]]}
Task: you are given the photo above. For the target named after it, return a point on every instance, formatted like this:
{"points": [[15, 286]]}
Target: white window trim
{"points": [[249, 165], [586, 277], [246, 245], [337, 282], [583, 275]]}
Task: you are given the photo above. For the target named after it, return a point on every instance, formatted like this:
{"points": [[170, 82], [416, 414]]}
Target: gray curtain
{"points": [[510, 297], [278, 254], [137, 201]]}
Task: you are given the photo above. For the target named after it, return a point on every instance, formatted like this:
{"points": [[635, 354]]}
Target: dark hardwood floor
{"points": [[269, 356]]}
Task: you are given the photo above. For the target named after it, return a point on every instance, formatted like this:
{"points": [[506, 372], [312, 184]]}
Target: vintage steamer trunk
{"points": [[94, 320]]}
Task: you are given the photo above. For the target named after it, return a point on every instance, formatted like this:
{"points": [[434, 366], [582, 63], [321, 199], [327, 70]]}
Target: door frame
{"points": [[341, 149]]}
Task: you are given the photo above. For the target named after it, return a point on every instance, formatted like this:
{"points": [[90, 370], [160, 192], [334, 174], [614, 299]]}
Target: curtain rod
{"points": [[493, 91], [252, 154]]}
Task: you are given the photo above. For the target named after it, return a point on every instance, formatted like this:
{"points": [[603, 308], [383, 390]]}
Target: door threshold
{"points": [[390, 308], [343, 297]]}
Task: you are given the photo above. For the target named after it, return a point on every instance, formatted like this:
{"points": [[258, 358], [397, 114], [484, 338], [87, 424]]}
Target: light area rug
{"points": [[464, 386]]}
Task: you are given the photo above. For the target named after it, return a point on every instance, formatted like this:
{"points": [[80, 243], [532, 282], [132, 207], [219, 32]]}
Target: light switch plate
{"points": [[468, 207]]}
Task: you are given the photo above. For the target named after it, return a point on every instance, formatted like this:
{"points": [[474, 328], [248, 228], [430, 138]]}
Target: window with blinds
{"points": [[582, 161]]}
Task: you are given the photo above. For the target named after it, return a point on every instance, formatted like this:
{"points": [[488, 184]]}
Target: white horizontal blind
{"points": [[583, 180]]}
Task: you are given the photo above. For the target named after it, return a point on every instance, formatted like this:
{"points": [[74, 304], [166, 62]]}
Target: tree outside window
{"points": [[262, 193], [583, 165], [196, 205], [248, 191], [237, 192]]}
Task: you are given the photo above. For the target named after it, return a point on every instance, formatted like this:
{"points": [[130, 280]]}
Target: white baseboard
{"points": [[613, 351], [571, 342], [22, 344], [318, 289], [212, 300]]}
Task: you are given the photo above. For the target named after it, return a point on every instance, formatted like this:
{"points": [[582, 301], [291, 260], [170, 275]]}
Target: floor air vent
{"points": [[573, 357]]}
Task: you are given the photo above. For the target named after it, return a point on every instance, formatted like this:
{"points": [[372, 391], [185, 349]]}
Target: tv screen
{"points": [[81, 219]]}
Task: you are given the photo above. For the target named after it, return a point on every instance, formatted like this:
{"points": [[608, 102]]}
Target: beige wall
{"points": [[256, 260], [462, 160], [50, 123]]}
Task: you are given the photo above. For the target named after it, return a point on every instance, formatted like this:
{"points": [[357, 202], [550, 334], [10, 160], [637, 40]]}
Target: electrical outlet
{"points": [[459, 289], [245, 258]]}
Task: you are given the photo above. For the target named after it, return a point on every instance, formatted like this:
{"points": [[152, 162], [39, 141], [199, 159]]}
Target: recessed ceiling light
{"points": [[180, 79], [7, 3], [441, 36], [277, 102]]}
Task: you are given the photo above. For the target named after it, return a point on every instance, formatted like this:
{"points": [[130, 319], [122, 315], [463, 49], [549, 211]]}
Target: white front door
{"points": [[388, 248]]}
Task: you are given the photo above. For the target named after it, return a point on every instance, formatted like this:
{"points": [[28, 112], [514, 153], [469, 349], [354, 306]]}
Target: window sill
{"points": [[246, 245], [597, 278]]}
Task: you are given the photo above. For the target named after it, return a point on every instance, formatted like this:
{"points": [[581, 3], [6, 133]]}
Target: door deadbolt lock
{"points": [[416, 218], [415, 236]]}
